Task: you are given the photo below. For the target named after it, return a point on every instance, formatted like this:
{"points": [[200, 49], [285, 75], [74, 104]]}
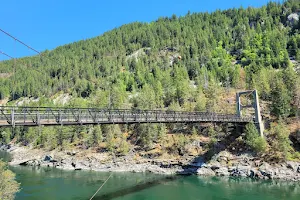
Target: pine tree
{"points": [[281, 100]]}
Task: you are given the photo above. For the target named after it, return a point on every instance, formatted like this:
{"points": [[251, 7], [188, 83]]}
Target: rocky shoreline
{"points": [[85, 160], [222, 164], [245, 165]]}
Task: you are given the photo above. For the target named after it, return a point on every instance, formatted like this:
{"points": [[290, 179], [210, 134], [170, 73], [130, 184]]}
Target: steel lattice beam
{"points": [[35, 116]]}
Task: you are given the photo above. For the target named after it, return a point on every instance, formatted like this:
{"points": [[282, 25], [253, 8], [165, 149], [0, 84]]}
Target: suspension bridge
{"points": [[47, 116], [11, 116], [51, 116]]}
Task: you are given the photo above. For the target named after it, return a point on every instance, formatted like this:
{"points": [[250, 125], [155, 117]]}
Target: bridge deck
{"points": [[35, 116]]}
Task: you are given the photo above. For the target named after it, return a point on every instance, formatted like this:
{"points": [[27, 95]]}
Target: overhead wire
{"points": [[26, 45], [128, 154], [31, 48], [6, 33], [18, 61], [6, 54], [101, 186]]}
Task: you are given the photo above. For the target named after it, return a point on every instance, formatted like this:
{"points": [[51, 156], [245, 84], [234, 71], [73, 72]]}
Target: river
{"points": [[48, 183]]}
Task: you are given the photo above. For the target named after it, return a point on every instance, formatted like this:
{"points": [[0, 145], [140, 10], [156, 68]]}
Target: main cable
{"points": [[101, 186], [137, 139], [6, 54], [6, 33], [31, 48], [19, 61]]}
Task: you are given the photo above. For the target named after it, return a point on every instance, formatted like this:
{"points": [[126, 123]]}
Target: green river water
{"points": [[48, 183]]}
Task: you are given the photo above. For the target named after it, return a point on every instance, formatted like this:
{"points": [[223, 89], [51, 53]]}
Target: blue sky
{"points": [[48, 24]]}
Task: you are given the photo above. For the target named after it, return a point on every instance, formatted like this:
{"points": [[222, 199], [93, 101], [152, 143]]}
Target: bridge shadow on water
{"points": [[188, 170], [137, 188]]}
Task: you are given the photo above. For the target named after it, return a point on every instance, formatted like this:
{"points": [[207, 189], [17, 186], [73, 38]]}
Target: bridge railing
{"points": [[71, 116]]}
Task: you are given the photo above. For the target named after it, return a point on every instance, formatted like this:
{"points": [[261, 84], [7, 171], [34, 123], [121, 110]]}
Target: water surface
{"points": [[49, 183]]}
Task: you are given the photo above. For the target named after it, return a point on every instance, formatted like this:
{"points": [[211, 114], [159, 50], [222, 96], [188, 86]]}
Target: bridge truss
{"points": [[50, 116]]}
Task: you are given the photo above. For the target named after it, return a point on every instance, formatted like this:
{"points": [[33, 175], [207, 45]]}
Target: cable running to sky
{"points": [[6, 54], [19, 41]]}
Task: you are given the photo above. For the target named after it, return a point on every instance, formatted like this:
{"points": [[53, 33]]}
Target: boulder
{"points": [[267, 174], [293, 18], [214, 165], [292, 165], [33, 163], [223, 156], [253, 173], [48, 158], [265, 166], [242, 171], [266, 170], [223, 171], [203, 171]]}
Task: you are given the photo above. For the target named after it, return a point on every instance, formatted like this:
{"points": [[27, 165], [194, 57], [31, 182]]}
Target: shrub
{"points": [[8, 185], [110, 141], [253, 139], [5, 136], [124, 146], [260, 145], [280, 139]]}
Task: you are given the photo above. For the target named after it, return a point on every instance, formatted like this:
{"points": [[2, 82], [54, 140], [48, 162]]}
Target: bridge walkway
{"points": [[50, 116]]}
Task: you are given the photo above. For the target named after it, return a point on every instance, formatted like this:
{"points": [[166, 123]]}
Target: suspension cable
{"points": [[101, 186], [31, 48], [19, 41], [6, 54], [14, 72], [137, 139]]}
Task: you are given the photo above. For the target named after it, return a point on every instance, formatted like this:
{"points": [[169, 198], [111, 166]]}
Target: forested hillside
{"points": [[175, 62], [237, 48]]}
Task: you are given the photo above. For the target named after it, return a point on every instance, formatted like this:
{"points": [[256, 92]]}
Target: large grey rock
{"points": [[214, 165], [266, 171], [48, 158], [267, 174], [223, 156], [81, 165], [253, 173], [293, 18], [241, 171], [292, 165], [244, 170], [265, 167], [203, 171], [33, 163], [223, 171]]}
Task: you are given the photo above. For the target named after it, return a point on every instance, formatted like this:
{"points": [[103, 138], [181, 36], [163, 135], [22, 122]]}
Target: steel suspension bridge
{"points": [[50, 116]]}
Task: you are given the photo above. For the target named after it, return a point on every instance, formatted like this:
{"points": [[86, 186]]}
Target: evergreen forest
{"points": [[194, 62]]}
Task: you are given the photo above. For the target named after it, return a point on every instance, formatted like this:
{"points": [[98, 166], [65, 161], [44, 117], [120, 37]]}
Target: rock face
{"points": [[225, 164], [204, 171], [93, 161], [222, 164], [293, 18]]}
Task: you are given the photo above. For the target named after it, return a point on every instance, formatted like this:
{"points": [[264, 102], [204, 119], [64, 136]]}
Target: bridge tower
{"points": [[255, 104]]}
